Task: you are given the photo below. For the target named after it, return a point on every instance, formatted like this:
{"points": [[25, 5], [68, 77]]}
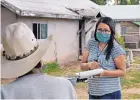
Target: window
{"points": [[40, 30]]}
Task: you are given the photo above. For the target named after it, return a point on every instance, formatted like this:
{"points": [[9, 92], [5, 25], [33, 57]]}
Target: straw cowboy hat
{"points": [[22, 50]]}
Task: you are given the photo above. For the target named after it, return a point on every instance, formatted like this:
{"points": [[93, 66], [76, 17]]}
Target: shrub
{"points": [[50, 67], [120, 40]]}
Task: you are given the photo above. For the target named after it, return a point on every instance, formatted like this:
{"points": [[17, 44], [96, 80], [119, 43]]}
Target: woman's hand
{"points": [[93, 65]]}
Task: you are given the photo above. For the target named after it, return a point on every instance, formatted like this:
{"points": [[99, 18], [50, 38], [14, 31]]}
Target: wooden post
{"points": [[116, 2], [130, 55]]}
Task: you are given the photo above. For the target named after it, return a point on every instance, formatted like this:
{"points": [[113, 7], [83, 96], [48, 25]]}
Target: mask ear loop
{"points": [[100, 53]]}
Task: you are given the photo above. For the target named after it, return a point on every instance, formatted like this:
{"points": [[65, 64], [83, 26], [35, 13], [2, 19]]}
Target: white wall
{"points": [[66, 38], [64, 32], [118, 28], [7, 17], [65, 44]]}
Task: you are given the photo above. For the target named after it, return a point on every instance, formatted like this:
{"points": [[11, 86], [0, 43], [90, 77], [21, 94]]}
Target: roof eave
{"points": [[49, 15], [136, 19], [88, 16], [37, 14], [117, 20], [136, 23], [11, 7]]}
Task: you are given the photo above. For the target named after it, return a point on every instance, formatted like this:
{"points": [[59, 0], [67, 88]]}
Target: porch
{"points": [[132, 41]]}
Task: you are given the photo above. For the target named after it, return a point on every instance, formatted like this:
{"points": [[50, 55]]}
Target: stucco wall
{"points": [[64, 47], [64, 33], [66, 39], [7, 17]]}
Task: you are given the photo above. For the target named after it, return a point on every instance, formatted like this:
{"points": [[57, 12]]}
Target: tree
{"points": [[128, 2], [123, 2], [119, 2], [99, 2], [133, 2]]}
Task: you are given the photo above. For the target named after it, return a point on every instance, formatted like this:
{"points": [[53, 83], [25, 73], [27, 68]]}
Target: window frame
{"points": [[41, 23]]}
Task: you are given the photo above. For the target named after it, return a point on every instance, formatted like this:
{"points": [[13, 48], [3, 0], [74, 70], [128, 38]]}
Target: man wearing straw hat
{"points": [[22, 53]]}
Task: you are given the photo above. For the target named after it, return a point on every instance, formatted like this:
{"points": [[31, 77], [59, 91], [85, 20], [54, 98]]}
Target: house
{"points": [[127, 19], [66, 20], [90, 12]]}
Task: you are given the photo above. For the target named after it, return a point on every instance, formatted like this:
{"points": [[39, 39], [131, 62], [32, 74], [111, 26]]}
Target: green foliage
{"points": [[50, 67], [133, 2], [129, 2], [123, 2], [120, 2], [120, 40], [99, 2]]}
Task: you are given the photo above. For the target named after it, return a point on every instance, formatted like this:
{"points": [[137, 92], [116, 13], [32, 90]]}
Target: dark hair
{"points": [[111, 24]]}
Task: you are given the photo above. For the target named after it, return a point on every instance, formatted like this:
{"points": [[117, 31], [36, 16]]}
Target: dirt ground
{"points": [[81, 91], [81, 87], [126, 93]]}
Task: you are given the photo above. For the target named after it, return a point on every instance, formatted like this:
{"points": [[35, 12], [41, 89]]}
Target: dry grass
{"points": [[136, 60], [130, 83], [68, 70]]}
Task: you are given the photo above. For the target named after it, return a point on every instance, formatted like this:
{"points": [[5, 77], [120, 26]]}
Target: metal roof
{"points": [[52, 8], [85, 8], [122, 12], [137, 23]]}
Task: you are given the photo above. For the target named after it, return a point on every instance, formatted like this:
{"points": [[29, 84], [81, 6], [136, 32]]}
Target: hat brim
{"points": [[16, 68]]}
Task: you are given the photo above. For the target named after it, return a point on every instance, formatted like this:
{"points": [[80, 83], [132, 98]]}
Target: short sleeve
{"points": [[90, 43], [117, 51]]}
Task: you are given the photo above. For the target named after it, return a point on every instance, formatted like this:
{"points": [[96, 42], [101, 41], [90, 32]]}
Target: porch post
{"points": [[118, 29], [139, 30]]}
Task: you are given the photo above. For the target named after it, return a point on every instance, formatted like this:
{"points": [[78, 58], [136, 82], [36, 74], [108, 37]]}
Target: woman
{"points": [[104, 52]]}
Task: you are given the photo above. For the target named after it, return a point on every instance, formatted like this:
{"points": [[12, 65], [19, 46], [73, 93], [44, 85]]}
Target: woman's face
{"points": [[104, 28], [103, 33]]}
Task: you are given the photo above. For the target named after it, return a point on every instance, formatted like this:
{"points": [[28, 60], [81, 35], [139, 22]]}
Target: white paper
{"points": [[86, 74]]}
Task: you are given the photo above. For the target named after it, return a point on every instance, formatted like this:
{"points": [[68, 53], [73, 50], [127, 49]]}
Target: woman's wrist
{"points": [[88, 64], [104, 73], [85, 66]]}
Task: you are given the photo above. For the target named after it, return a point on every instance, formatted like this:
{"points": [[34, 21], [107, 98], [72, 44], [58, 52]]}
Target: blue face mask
{"points": [[103, 37]]}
